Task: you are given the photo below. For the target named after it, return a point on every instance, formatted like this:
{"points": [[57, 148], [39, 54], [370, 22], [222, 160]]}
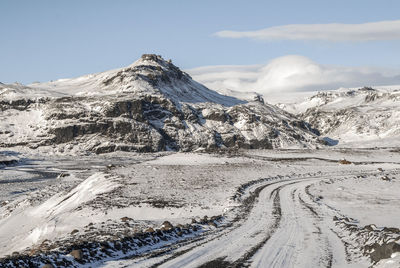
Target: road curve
{"points": [[284, 227]]}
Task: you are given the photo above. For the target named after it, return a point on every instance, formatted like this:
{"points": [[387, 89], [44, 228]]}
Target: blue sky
{"points": [[48, 40]]}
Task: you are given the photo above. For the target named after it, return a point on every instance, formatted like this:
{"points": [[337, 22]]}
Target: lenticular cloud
{"points": [[288, 74]]}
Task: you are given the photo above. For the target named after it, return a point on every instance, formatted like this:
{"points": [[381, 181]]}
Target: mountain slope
{"points": [[150, 105], [151, 74], [362, 117]]}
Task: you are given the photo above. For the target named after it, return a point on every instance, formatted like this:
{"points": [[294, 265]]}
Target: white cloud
{"points": [[290, 74], [372, 31]]}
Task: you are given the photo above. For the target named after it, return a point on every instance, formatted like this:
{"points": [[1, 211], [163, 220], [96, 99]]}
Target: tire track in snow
{"points": [[241, 226], [237, 247], [328, 258], [299, 240], [280, 228], [277, 212]]}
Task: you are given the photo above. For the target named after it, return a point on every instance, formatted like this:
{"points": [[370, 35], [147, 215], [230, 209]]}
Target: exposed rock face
{"points": [[150, 106], [384, 251]]}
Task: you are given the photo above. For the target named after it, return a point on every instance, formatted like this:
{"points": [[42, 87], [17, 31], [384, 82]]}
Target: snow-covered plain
{"points": [[275, 208], [77, 189]]}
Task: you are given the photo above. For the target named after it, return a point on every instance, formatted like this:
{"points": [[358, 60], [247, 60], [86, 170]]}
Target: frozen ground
{"points": [[255, 208]]}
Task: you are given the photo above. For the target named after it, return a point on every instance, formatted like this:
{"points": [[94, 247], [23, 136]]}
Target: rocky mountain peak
{"points": [[153, 62], [367, 89], [154, 58], [156, 68]]}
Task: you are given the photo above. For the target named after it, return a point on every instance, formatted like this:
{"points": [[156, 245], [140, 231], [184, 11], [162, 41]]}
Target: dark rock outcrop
{"points": [[383, 251]]}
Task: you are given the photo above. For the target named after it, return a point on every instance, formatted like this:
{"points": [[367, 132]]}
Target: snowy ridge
{"points": [[51, 218], [150, 74], [365, 117], [15, 92]]}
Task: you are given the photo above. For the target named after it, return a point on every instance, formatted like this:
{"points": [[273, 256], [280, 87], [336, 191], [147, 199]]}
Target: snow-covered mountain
{"points": [[150, 105], [363, 117], [150, 75]]}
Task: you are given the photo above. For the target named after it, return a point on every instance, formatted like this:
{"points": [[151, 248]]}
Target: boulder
{"points": [[167, 226], [77, 254], [125, 219], [344, 162], [149, 230], [74, 231], [383, 251]]}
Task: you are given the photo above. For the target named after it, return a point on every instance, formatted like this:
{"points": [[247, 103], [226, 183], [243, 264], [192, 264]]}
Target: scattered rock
{"points": [[88, 252], [110, 166], [117, 246], [74, 231], [63, 174], [48, 266], [211, 223], [149, 230], [77, 254], [167, 225], [125, 219], [344, 162], [370, 227]]}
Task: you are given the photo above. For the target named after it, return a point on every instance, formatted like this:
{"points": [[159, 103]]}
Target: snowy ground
{"points": [[258, 208]]}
